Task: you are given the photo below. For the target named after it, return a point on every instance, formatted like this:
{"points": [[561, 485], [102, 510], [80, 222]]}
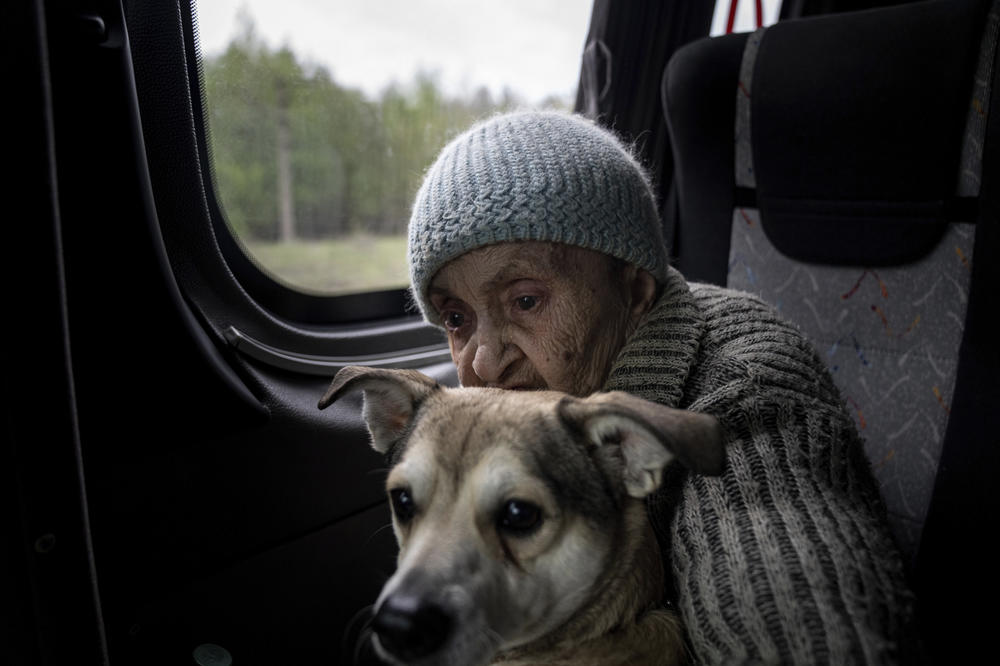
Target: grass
{"points": [[360, 262]]}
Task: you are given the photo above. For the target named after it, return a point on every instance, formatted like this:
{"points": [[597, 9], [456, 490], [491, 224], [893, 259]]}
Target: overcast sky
{"points": [[532, 46]]}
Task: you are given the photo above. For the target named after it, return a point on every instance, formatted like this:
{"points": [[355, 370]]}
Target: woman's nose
{"points": [[490, 360]]}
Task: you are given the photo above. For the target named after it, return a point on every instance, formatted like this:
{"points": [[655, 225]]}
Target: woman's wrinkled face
{"points": [[535, 315]]}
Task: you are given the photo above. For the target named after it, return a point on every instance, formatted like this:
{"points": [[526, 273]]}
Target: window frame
{"points": [[255, 321]]}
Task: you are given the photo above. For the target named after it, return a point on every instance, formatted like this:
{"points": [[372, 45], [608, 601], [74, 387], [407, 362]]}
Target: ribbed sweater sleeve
{"points": [[785, 558]]}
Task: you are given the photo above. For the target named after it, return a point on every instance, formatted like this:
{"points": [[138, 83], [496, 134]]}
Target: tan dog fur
{"points": [[583, 584]]}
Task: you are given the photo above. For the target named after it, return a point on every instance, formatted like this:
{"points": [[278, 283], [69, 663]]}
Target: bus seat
{"points": [[846, 169]]}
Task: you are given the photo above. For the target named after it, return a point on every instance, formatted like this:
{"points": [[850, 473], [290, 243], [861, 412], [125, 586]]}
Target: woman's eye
{"points": [[403, 506], [519, 518], [453, 320], [526, 302]]}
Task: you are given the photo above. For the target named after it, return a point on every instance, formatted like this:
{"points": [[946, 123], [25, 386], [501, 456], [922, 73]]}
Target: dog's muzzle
{"points": [[409, 628]]}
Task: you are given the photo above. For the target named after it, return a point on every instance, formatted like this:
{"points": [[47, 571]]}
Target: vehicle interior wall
{"points": [[223, 507], [46, 572]]}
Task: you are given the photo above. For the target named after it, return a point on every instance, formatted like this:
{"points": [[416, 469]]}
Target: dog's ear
{"points": [[391, 399], [650, 436]]}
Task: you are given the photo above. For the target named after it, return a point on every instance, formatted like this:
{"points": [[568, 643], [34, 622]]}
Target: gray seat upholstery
{"points": [[846, 182]]}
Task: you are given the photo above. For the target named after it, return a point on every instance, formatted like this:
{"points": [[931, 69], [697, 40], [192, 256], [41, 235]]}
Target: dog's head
{"points": [[507, 505]]}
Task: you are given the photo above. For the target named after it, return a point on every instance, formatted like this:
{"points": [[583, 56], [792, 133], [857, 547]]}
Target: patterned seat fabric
{"points": [[890, 338]]}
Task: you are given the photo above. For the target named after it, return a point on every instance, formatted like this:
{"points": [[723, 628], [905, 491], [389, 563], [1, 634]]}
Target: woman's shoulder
{"points": [[735, 317], [715, 299], [747, 340]]}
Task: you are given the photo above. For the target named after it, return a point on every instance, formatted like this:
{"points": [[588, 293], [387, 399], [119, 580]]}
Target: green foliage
{"points": [[355, 163], [348, 264]]}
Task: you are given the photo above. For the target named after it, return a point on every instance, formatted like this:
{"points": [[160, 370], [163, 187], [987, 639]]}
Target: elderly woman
{"points": [[536, 245]]}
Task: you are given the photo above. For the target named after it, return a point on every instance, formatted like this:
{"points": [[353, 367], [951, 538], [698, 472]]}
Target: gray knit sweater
{"points": [[787, 556]]}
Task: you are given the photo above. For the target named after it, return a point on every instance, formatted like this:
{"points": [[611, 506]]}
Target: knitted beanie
{"points": [[544, 176]]}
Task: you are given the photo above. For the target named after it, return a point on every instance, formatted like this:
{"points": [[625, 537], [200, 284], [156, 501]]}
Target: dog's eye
{"points": [[403, 505], [519, 517]]}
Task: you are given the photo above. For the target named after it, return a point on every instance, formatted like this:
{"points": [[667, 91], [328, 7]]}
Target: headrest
{"points": [[697, 93], [856, 125]]}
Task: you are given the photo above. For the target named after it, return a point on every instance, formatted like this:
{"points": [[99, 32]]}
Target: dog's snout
{"points": [[410, 628]]}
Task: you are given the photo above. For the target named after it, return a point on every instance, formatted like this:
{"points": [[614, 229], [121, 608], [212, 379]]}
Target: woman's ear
{"points": [[641, 291]]}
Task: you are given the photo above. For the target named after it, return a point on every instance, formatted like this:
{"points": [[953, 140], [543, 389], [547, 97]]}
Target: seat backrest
{"points": [[836, 169]]}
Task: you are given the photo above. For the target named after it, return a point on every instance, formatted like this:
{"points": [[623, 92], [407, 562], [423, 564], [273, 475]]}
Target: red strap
{"points": [[758, 5], [732, 15]]}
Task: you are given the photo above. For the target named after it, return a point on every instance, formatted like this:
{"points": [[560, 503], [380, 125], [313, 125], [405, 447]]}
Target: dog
{"points": [[523, 533]]}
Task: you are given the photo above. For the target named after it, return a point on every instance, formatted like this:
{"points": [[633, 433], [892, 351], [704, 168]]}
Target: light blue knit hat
{"points": [[544, 176]]}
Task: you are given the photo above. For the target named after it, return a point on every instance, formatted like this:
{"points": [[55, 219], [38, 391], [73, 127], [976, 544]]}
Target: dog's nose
{"points": [[410, 628]]}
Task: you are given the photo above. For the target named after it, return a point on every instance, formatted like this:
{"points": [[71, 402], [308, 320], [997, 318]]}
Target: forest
{"points": [[299, 157]]}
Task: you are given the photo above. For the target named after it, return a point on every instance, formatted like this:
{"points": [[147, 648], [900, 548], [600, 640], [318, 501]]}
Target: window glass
{"points": [[742, 15], [323, 116]]}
